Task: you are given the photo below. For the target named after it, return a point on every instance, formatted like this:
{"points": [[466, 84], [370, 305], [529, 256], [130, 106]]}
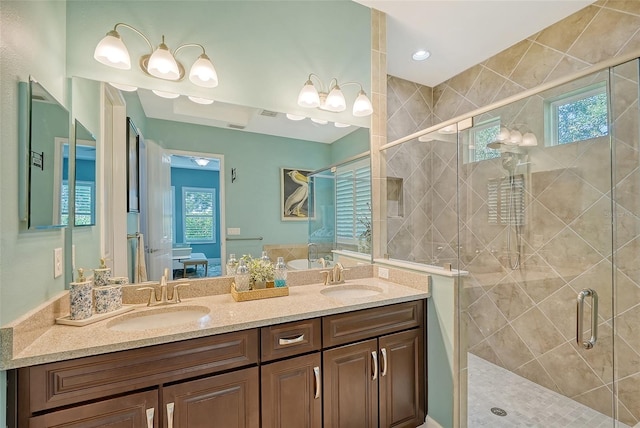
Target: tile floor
{"points": [[527, 404]]}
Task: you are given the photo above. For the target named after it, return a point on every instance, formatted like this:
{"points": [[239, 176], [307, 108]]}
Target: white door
{"points": [[159, 210]]}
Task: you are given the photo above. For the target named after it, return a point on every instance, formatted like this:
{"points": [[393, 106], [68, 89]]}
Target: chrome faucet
{"points": [[334, 276], [309, 247], [323, 262], [164, 300]]}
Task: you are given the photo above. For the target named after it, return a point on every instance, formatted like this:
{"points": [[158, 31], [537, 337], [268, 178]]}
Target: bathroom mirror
{"points": [[85, 176], [48, 158]]}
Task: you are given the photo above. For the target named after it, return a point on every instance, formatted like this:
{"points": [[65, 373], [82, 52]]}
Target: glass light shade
{"points": [[164, 94], [111, 51], [198, 100], [308, 96], [335, 100], [515, 138], [362, 105], [202, 161], [295, 117], [341, 125], [504, 134], [162, 64], [319, 121], [529, 139], [126, 88], [203, 73]]}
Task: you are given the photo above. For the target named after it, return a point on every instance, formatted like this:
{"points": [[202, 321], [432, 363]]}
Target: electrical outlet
{"points": [[233, 231], [57, 262], [383, 273]]}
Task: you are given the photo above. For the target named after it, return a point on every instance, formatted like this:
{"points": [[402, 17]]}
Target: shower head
{"points": [[495, 145], [509, 162]]}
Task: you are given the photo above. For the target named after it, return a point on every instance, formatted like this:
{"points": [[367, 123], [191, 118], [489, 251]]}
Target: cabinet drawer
{"points": [[294, 338], [68, 382], [354, 326]]}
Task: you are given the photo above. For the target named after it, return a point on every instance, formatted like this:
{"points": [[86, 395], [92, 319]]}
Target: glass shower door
{"points": [[535, 221]]}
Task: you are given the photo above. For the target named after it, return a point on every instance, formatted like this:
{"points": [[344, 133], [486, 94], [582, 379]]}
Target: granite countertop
{"points": [[61, 342]]}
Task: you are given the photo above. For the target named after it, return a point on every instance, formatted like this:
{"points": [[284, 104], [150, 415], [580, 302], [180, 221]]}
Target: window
{"points": [[353, 202], [85, 197], [578, 116], [481, 135], [505, 201], [199, 214]]}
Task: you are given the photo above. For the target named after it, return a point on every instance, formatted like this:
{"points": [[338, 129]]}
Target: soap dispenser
{"points": [[102, 274], [80, 297], [242, 277], [280, 275]]}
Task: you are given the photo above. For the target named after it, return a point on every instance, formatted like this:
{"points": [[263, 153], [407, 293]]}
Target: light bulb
{"points": [[111, 51], [515, 137], [362, 105], [308, 96], [162, 64], [319, 121], [341, 125], [504, 134], [335, 100], [529, 139], [203, 73], [198, 100]]}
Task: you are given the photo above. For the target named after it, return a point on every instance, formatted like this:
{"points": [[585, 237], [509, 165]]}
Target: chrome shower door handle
{"points": [[587, 292]]}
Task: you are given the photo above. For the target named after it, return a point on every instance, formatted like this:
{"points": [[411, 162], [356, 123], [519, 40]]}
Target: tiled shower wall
{"points": [[519, 319]]}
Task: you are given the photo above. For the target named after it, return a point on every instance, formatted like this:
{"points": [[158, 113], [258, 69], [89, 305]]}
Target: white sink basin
{"points": [[351, 291], [164, 317]]}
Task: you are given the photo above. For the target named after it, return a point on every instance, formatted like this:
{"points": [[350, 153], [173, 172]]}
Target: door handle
{"points": [[150, 413], [587, 292], [316, 374], [383, 351], [170, 408], [374, 356]]}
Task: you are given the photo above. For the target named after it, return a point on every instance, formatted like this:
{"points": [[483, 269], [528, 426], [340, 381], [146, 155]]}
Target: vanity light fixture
{"points": [[332, 99], [198, 100], [202, 161], [319, 121], [160, 63], [164, 94], [126, 88], [295, 117], [341, 125]]}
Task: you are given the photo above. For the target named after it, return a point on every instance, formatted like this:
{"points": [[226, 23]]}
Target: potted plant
{"points": [[260, 271]]}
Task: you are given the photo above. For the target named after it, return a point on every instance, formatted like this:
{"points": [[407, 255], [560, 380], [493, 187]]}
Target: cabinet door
{"points": [[130, 411], [350, 383], [229, 400], [291, 393], [402, 380]]}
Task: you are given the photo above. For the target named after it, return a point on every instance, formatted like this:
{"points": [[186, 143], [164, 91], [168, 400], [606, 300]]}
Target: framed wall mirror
{"points": [[48, 158]]}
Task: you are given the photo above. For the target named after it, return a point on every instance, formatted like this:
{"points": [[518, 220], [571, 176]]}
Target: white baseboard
{"points": [[431, 423]]}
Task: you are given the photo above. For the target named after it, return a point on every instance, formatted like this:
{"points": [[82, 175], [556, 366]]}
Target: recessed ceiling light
{"points": [[295, 117], [421, 55], [320, 121], [126, 88], [199, 100], [164, 94], [341, 125]]}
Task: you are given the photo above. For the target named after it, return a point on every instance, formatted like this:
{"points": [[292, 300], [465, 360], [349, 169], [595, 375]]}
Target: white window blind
{"points": [[85, 195], [199, 214], [353, 202], [505, 201]]}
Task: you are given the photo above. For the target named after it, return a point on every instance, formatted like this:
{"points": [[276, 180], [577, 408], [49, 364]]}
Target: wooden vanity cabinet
{"points": [[380, 381]]}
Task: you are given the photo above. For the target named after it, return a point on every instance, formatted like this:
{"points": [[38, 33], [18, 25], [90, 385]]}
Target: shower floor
{"points": [[527, 404]]}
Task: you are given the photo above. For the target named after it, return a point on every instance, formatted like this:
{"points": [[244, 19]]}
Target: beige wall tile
{"points": [[598, 399], [513, 352], [561, 35], [629, 393], [537, 332], [487, 316], [506, 61], [535, 66], [534, 371]]}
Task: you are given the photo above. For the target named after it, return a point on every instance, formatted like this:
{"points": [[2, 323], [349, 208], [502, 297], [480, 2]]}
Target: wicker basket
{"points": [[264, 293]]}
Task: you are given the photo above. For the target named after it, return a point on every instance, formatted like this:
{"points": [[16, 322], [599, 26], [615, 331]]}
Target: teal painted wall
{"points": [[350, 145], [25, 52], [252, 202]]}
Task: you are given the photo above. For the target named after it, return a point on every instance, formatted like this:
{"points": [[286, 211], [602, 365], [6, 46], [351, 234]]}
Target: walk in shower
{"points": [[549, 233]]}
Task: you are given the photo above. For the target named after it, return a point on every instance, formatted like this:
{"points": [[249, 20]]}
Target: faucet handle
{"points": [[176, 293], [152, 294], [328, 277]]}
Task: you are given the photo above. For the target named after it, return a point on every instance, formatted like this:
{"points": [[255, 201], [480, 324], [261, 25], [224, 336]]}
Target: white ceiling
{"points": [[460, 33]]}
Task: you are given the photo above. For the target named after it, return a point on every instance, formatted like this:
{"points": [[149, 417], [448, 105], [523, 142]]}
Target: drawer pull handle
{"points": [[316, 374], [170, 407], [374, 355], [284, 341], [150, 413], [383, 351]]}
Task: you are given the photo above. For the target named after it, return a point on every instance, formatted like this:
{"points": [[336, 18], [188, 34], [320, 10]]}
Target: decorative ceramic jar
{"points": [[101, 275], [80, 298], [107, 298], [118, 280]]}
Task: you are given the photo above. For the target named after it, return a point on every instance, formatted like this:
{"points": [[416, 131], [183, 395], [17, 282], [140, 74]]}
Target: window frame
{"points": [[212, 190], [473, 131], [551, 127]]}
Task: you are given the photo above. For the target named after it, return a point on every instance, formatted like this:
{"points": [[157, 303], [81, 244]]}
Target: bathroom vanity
{"points": [[332, 363]]}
